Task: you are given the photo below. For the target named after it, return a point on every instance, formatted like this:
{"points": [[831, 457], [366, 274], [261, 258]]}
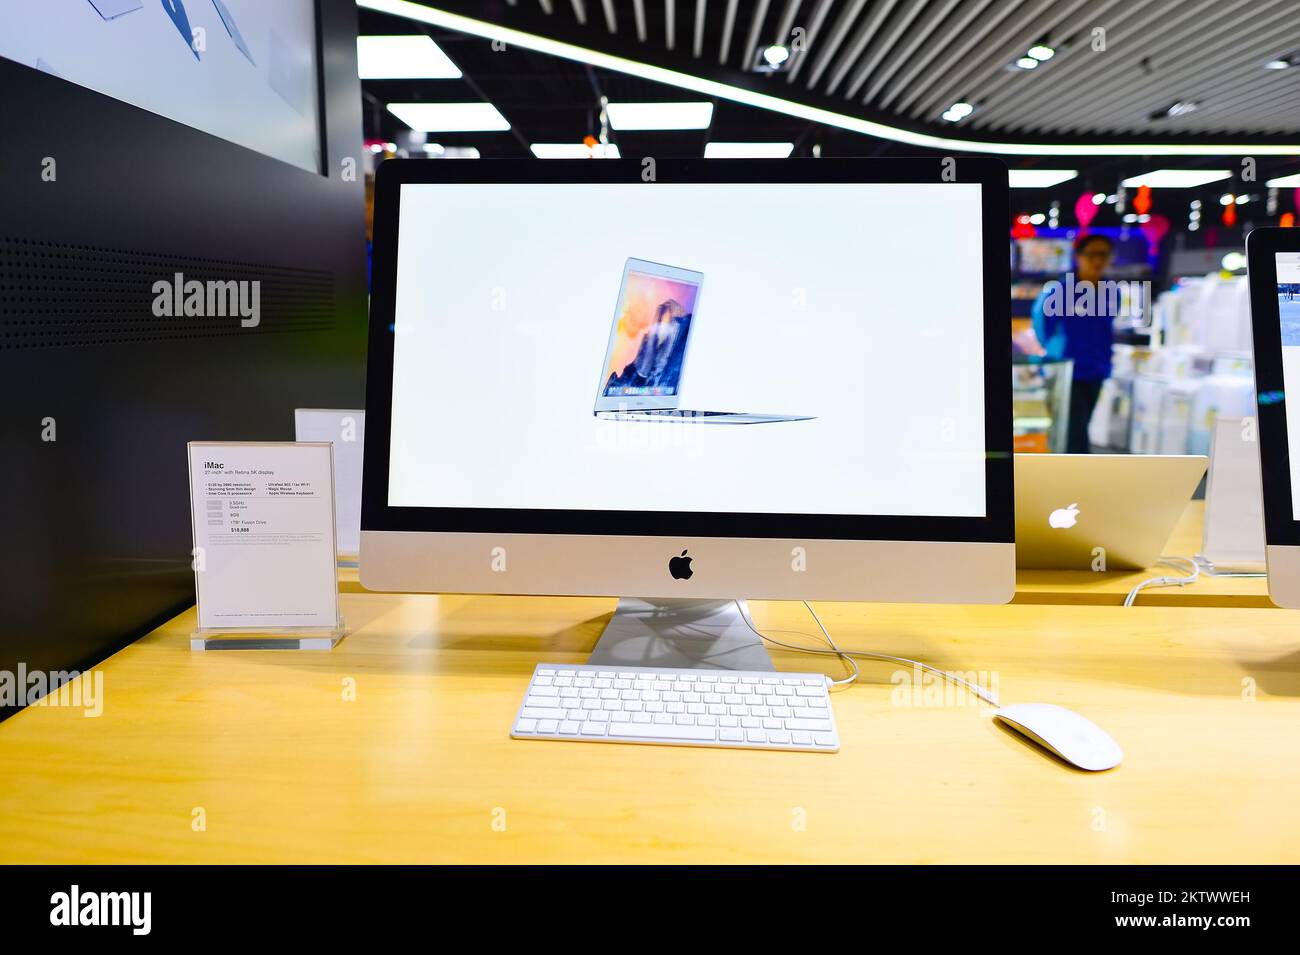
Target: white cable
{"points": [[847, 656], [1166, 581]]}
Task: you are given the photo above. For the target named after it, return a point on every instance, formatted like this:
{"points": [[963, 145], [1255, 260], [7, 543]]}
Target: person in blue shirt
{"points": [[1081, 331]]}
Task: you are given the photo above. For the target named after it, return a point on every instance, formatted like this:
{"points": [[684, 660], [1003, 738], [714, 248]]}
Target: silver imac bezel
{"points": [[897, 558], [646, 402]]}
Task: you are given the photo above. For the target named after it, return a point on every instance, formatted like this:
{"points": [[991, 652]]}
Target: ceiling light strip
{"points": [[814, 114]]}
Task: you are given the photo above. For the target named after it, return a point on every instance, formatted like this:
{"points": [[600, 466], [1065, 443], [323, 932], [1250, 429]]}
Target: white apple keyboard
{"points": [[731, 708]]}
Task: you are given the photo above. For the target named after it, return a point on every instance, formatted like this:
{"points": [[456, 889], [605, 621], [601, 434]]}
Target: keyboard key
{"points": [[547, 726], [816, 726], [544, 713], [731, 736], [593, 729], [570, 728], [525, 726], [700, 734]]}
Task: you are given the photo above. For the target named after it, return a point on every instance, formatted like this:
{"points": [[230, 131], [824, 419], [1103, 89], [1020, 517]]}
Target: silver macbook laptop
{"points": [[641, 377], [1100, 511]]}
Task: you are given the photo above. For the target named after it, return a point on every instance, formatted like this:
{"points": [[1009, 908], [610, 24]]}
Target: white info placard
{"points": [[263, 516]]}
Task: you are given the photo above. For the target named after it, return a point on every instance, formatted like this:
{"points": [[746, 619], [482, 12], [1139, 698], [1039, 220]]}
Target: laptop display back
{"points": [[1100, 512]]}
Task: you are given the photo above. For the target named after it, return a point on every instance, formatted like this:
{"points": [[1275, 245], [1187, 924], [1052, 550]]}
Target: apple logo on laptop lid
{"points": [[1064, 516]]}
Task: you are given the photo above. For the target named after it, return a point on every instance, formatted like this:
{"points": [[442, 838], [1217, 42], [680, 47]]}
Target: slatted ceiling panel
{"points": [[881, 45], [1211, 75], [967, 45], [742, 59], [985, 83], [816, 20], [785, 23], [1059, 87], [1068, 37], [909, 60], [1056, 90], [1013, 36], [823, 53], [1194, 65], [902, 52], [857, 43], [955, 23]]}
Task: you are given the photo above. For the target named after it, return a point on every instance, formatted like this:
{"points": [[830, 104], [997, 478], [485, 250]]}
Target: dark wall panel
{"points": [[94, 526]]}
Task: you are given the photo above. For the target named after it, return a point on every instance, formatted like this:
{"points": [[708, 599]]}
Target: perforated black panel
{"points": [[58, 295]]}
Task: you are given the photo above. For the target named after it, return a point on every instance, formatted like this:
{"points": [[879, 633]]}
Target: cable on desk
{"points": [[1166, 581], [846, 656]]}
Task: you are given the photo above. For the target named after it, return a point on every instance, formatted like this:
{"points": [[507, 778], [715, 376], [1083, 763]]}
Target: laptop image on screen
{"points": [[641, 377]]}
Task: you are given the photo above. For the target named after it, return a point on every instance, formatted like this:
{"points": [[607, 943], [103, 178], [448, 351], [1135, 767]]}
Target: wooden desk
{"points": [[419, 766], [1109, 589]]}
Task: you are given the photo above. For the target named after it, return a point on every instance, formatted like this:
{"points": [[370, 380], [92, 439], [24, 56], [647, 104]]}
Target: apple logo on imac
{"points": [[680, 567], [1063, 516]]}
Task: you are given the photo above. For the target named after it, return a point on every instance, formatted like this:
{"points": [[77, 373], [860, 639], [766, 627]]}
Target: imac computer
{"points": [[1273, 264], [689, 382]]}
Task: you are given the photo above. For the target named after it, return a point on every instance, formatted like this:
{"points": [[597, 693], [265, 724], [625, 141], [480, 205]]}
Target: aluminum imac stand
{"points": [[683, 634]]}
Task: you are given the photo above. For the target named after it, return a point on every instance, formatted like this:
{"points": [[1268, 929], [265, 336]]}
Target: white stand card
{"points": [[264, 546], [1233, 539], [347, 431]]}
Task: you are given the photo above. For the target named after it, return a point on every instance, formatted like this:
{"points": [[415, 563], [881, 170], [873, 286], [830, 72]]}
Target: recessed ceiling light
{"points": [[660, 115], [748, 150], [1226, 199], [450, 117], [1041, 52], [1027, 63], [958, 111], [1283, 62], [1177, 178], [1285, 182], [1098, 198], [414, 57], [575, 151], [1040, 178], [1183, 107], [1037, 219], [1276, 65], [775, 55]]}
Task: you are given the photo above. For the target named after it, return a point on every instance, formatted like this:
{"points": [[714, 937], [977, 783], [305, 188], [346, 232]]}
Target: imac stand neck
{"points": [[682, 634]]}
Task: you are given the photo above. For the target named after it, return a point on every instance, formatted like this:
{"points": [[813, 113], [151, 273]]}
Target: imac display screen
{"points": [[1288, 308], [243, 70], [746, 348]]}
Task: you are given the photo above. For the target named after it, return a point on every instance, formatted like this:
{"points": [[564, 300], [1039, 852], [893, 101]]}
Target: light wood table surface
{"points": [[269, 752]]}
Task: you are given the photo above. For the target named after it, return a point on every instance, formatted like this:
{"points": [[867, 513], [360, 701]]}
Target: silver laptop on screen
{"points": [[641, 377], [1100, 511]]}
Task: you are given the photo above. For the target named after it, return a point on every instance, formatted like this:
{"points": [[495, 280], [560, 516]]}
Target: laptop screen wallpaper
{"points": [[652, 325]]}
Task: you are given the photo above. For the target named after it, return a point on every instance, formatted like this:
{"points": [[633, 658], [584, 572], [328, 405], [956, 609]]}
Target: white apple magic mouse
{"points": [[1076, 740]]}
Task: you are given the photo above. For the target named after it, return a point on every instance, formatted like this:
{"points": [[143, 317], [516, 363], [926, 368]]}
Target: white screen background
{"points": [[860, 304]]}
